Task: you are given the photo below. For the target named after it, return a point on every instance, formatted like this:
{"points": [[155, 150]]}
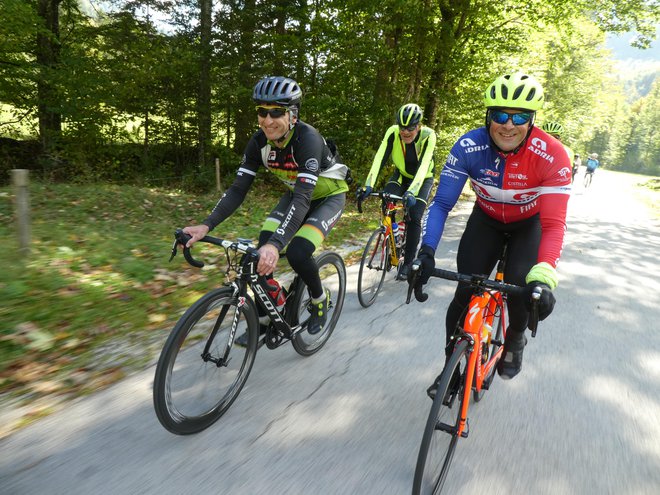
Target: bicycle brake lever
{"points": [[174, 251], [534, 312], [414, 268]]}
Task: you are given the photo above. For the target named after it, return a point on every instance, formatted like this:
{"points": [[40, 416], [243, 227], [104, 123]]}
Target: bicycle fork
{"points": [[206, 353]]}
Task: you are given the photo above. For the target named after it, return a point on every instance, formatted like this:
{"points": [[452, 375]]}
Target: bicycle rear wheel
{"points": [[373, 266], [440, 434], [333, 277], [193, 387]]}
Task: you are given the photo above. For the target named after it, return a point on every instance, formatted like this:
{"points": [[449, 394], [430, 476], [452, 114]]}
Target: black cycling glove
{"points": [[546, 302], [426, 257]]}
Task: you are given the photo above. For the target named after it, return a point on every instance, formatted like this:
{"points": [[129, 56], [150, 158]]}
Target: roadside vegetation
{"points": [[96, 296]]}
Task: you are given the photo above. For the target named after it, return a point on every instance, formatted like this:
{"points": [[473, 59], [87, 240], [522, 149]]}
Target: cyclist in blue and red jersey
{"points": [[310, 168], [522, 180]]}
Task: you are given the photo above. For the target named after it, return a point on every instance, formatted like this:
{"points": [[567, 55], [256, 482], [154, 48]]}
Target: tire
{"points": [[438, 445], [333, 276], [190, 392], [373, 266], [497, 338]]}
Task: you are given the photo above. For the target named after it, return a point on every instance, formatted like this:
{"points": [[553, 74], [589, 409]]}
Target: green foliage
{"points": [[98, 276], [127, 88]]}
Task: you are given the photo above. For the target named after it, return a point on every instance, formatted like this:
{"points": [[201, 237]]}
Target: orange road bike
{"points": [[384, 248], [477, 348], [201, 370]]}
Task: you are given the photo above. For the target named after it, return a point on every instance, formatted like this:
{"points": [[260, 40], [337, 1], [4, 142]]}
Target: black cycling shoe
{"points": [[242, 340], [318, 314], [403, 272], [451, 391], [511, 362]]}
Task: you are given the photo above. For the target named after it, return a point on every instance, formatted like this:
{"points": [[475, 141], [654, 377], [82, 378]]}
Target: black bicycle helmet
{"points": [[408, 115], [277, 90]]}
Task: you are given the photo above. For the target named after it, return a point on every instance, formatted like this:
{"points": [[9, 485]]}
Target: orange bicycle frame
{"points": [[482, 310]]}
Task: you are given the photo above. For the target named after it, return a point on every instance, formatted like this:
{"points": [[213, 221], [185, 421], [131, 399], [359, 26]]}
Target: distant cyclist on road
{"points": [[577, 163], [411, 147], [592, 163], [300, 157], [522, 180]]}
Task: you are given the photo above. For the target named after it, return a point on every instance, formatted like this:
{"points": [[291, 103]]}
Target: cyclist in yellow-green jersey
{"points": [[410, 146]]}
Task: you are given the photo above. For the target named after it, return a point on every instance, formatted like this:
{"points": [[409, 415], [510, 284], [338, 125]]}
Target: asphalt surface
{"points": [[583, 417]]}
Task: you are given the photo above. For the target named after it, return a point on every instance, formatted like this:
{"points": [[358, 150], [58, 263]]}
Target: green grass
{"points": [[96, 297]]}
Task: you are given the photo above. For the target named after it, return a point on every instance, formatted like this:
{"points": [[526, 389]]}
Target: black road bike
{"points": [[201, 370]]}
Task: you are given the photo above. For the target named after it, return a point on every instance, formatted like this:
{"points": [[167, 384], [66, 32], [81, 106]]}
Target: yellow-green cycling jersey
{"points": [[413, 161]]}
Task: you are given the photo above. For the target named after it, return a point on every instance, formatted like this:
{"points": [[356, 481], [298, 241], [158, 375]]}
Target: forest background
{"points": [[119, 109], [150, 92]]}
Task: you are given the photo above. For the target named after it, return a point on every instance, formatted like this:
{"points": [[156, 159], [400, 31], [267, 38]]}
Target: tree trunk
{"points": [[245, 118], [48, 56], [204, 97]]}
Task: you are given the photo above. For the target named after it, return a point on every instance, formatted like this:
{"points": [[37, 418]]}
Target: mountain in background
{"points": [[637, 68]]}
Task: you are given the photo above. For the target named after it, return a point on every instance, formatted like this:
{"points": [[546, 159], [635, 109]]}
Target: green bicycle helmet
{"points": [[517, 90], [553, 128], [408, 115]]}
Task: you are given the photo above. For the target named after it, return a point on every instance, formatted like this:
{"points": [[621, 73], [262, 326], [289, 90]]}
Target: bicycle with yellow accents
{"points": [[384, 248]]}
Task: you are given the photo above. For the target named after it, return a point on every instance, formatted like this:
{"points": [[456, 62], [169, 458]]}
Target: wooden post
{"points": [[21, 181], [218, 184]]}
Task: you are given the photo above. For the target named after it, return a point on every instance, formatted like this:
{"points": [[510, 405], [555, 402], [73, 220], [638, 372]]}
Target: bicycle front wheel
{"points": [[333, 277], [373, 267], [441, 432], [197, 378]]}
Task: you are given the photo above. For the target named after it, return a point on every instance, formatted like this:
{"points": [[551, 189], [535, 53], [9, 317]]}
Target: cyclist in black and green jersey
{"points": [[310, 168], [411, 147]]}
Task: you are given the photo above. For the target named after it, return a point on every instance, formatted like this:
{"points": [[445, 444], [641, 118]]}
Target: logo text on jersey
{"points": [[312, 165], [286, 221]]}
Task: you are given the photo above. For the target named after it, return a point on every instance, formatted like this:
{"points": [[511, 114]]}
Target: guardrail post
{"points": [[21, 181]]}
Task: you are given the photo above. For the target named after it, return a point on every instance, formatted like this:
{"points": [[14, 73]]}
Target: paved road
{"points": [[582, 418]]}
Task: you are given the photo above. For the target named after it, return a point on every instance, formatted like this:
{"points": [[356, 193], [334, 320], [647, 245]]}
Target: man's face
{"points": [[274, 120], [408, 134], [507, 135]]}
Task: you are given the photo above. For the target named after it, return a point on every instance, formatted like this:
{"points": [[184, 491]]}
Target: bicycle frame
{"points": [[487, 303], [387, 211], [247, 276]]}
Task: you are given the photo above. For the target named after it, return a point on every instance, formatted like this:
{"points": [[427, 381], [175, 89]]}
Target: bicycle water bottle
{"points": [[486, 332], [277, 294], [395, 233], [402, 231]]}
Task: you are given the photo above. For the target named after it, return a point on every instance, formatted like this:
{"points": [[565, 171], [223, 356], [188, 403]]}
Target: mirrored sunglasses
{"points": [[501, 117], [274, 112]]}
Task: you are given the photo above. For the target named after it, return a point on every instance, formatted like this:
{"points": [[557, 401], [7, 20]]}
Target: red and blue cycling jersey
{"points": [[509, 187]]}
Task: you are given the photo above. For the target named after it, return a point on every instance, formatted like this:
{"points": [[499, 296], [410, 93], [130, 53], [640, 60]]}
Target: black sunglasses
{"points": [[275, 113], [410, 128], [501, 117]]}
